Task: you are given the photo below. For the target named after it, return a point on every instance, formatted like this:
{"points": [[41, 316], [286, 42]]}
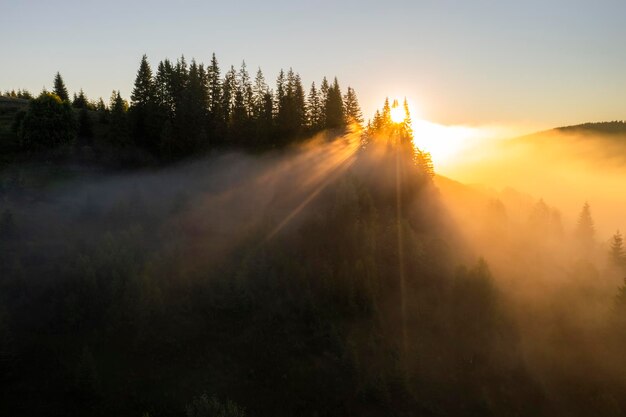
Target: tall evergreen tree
{"points": [[299, 106], [352, 108], [229, 92], [118, 132], [617, 254], [143, 93], [314, 110], [324, 87], [191, 117], [335, 113], [59, 88], [215, 119], [144, 114], [163, 88], [386, 114], [246, 89], [239, 116], [259, 90], [585, 229], [280, 92], [80, 101], [407, 124], [265, 123]]}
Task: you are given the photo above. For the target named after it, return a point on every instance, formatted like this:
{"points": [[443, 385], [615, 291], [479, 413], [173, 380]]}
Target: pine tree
{"points": [[59, 88], [179, 80], [143, 93], [617, 254], [102, 110], [377, 122], [386, 114], [425, 162], [335, 113], [239, 116], [353, 110], [324, 87], [229, 92], [80, 101], [585, 230], [163, 88], [280, 92], [299, 106], [215, 87], [314, 109], [265, 124], [259, 90], [407, 124], [246, 89], [191, 117], [144, 109], [118, 133]]}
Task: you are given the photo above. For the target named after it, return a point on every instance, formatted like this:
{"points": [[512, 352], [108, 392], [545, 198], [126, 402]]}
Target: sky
{"points": [[533, 64]]}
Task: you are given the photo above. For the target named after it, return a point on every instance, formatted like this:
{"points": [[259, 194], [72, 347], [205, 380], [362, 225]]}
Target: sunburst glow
{"points": [[444, 143], [397, 113]]}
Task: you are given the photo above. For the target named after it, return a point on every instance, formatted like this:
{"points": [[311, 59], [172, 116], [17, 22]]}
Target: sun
{"points": [[397, 113], [445, 143]]}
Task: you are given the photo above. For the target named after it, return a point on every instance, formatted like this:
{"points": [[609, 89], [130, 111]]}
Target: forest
{"points": [[218, 247], [179, 111]]}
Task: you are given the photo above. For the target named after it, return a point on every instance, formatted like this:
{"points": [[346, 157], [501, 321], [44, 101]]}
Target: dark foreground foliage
{"points": [[145, 295]]}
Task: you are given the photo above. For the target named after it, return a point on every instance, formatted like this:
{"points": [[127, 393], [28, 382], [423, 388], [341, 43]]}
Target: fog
{"points": [[517, 202], [565, 167], [343, 233]]}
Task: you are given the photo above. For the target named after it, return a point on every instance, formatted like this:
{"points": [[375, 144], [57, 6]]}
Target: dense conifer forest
{"points": [[219, 247]]}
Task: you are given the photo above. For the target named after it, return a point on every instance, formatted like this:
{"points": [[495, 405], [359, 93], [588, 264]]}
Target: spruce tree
{"points": [[585, 230], [191, 115], [407, 124], [324, 87], [59, 88], [144, 115], [386, 114], [353, 110], [214, 86], [258, 94], [299, 106], [229, 91], [118, 132], [246, 89], [314, 109], [143, 93], [617, 254], [335, 113], [163, 88], [80, 101]]}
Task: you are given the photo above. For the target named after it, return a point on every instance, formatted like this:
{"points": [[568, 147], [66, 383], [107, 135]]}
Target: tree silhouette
{"points": [[314, 110], [80, 101], [335, 112], [617, 254], [144, 108], [352, 108], [59, 87], [49, 122], [585, 229], [118, 131]]}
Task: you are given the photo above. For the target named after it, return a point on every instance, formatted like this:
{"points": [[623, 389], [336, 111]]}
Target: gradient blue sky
{"points": [[524, 63]]}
